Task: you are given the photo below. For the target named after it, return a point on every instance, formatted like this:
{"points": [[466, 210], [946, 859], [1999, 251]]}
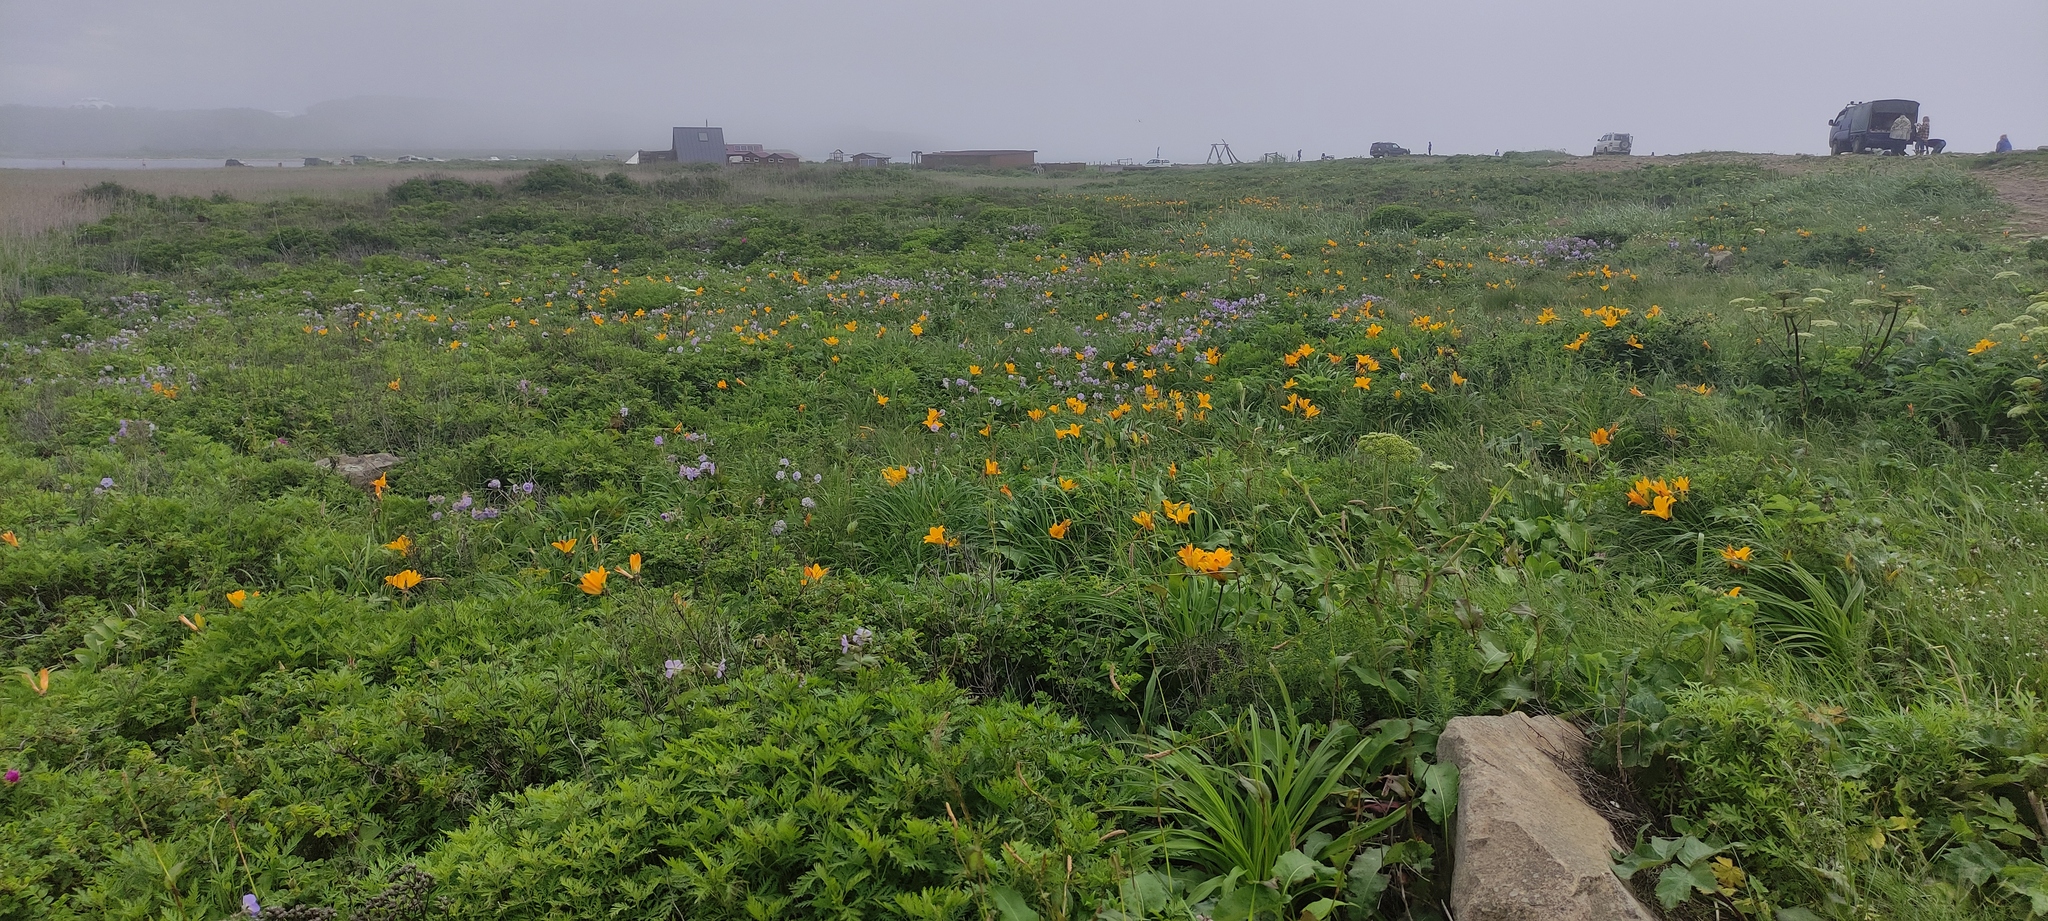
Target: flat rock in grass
{"points": [[1527, 847], [359, 469]]}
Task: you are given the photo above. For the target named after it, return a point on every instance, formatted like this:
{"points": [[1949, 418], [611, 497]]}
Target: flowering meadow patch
{"points": [[875, 543]]}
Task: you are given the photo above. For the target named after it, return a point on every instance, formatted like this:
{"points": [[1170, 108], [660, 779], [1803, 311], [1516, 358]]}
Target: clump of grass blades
{"points": [[1265, 789]]}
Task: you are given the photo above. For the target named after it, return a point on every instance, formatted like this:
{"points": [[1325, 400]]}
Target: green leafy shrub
{"points": [[780, 795], [562, 179], [1396, 217], [438, 188]]}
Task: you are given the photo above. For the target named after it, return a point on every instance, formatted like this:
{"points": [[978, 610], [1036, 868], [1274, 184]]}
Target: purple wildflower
{"points": [[250, 905], [671, 668], [13, 776], [526, 487], [721, 669], [493, 483], [778, 527], [658, 442]]}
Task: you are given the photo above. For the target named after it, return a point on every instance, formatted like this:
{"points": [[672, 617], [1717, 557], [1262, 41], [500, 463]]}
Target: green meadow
{"points": [[834, 543]]}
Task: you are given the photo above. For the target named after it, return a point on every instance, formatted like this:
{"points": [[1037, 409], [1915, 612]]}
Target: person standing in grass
{"points": [[1921, 133], [2004, 144], [1902, 130]]}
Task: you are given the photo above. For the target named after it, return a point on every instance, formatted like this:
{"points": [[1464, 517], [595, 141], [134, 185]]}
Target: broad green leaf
{"points": [[1010, 905], [1245, 902], [1574, 535], [1973, 863], [1145, 893], [1366, 881], [1692, 850], [2028, 880], [1678, 883], [1440, 792], [1293, 867]]}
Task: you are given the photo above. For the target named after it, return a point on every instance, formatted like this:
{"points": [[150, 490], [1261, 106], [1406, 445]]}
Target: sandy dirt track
{"points": [[2027, 193]]}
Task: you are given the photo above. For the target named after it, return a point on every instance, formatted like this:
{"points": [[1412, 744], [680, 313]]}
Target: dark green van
{"points": [[1868, 126]]}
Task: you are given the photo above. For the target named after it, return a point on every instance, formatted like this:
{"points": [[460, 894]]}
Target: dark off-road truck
{"points": [[1387, 149], [1863, 126]]}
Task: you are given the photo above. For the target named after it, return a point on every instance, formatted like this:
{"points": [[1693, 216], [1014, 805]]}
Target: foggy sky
{"points": [[1074, 79]]}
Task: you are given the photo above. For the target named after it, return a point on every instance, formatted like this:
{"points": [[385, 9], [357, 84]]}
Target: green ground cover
{"points": [[877, 544]]}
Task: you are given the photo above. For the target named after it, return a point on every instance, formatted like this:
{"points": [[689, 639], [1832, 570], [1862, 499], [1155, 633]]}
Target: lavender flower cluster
{"points": [[673, 667], [125, 432], [467, 503], [792, 475], [1573, 249], [1172, 334]]}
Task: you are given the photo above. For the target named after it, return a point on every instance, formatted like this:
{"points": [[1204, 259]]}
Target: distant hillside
{"points": [[360, 125]]}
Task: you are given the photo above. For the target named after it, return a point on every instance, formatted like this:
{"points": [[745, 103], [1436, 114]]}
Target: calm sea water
{"points": [[164, 163]]}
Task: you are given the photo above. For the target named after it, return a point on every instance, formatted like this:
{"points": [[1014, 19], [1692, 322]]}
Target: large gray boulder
{"points": [[1526, 846], [360, 469]]}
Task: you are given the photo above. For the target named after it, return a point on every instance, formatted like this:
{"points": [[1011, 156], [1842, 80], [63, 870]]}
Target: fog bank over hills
{"points": [[366, 125], [1073, 79]]}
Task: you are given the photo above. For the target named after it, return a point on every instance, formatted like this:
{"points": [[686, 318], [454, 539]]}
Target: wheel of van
{"points": [[1834, 148]]}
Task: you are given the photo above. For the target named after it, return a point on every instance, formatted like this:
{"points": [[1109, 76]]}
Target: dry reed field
{"points": [[36, 200], [33, 201]]}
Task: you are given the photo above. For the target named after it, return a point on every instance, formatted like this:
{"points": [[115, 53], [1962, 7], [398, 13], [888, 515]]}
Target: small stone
{"points": [[359, 469]]}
